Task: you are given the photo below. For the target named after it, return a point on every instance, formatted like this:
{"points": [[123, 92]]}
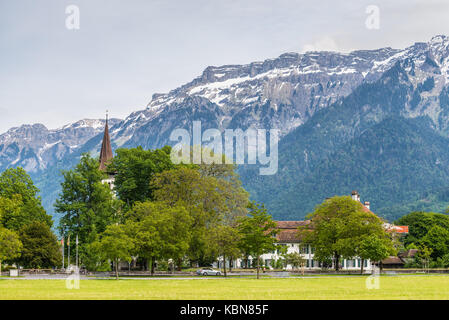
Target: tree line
{"points": [[159, 212], [429, 235], [184, 215]]}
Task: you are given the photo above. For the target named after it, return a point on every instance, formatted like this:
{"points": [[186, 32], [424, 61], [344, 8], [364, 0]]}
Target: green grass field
{"points": [[391, 287]]}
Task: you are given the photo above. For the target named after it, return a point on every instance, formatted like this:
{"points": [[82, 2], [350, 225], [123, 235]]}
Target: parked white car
{"points": [[208, 272]]}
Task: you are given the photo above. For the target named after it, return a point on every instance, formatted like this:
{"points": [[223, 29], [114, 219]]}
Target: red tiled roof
{"points": [[398, 229], [366, 209], [291, 224], [288, 230], [288, 235]]}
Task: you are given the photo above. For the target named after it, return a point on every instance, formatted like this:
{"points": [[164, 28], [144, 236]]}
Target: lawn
{"points": [[391, 287]]}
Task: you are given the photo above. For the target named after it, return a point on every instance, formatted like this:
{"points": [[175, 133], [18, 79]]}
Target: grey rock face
{"points": [[35, 148], [281, 93], [278, 93]]}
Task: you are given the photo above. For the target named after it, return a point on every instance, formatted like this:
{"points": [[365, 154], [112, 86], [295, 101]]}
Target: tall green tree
{"points": [[115, 245], [258, 232], [40, 247], [424, 256], [211, 199], [436, 239], [176, 233], [87, 205], [159, 231], [135, 168], [19, 200], [225, 242], [10, 246], [375, 248], [427, 229], [338, 225], [93, 258], [236, 197]]}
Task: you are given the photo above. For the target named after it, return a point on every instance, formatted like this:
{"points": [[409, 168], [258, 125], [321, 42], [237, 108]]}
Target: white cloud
{"points": [[322, 44]]}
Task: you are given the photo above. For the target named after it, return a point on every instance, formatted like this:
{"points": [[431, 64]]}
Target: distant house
{"points": [[401, 260], [409, 255], [393, 262]]}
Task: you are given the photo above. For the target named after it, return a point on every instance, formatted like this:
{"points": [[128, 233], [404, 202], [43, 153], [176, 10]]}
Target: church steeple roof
{"points": [[106, 149]]}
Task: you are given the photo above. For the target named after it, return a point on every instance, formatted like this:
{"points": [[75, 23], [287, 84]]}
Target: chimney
{"points": [[355, 196], [367, 205]]}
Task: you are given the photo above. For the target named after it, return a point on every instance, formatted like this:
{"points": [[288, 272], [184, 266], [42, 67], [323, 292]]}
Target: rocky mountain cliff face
{"points": [[36, 148], [280, 93], [320, 101]]}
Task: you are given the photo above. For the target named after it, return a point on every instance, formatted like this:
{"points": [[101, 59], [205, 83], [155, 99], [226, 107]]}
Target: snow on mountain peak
{"points": [[35, 147], [282, 92]]}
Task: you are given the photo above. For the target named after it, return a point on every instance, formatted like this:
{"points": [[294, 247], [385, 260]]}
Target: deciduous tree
{"points": [[88, 205], [115, 245], [10, 245], [159, 231], [19, 200], [40, 246], [338, 225], [375, 248], [135, 168], [427, 229], [225, 242], [258, 232], [210, 201]]}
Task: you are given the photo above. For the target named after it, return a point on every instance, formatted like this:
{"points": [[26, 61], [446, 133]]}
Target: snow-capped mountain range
{"points": [[282, 93], [35, 148]]}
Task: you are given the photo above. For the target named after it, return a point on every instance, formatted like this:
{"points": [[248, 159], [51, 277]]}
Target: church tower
{"points": [[106, 149], [106, 156]]}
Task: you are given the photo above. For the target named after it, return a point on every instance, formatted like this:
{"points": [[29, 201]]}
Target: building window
{"points": [[350, 263]]}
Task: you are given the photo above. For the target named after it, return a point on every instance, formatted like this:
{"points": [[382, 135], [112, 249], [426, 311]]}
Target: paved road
{"points": [[174, 277]]}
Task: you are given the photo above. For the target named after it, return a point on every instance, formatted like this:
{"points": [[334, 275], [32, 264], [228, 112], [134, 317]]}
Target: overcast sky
{"points": [[125, 51]]}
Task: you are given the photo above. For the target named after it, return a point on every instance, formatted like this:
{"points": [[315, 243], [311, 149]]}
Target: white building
{"points": [[288, 236]]}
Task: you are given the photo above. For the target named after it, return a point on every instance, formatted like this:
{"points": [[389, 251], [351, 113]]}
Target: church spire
{"points": [[106, 149]]}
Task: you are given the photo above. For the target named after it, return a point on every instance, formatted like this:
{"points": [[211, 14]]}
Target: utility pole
{"points": [[68, 244], [63, 249], [76, 259]]}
